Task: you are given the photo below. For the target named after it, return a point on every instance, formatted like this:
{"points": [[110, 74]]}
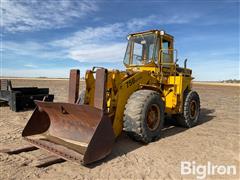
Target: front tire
{"points": [[144, 116]]}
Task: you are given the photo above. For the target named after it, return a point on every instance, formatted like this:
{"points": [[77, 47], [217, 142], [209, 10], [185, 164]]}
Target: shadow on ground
{"points": [[5, 104], [171, 127], [124, 144]]}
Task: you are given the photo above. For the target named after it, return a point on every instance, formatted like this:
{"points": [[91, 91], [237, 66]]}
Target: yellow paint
{"points": [[164, 78], [127, 87]]}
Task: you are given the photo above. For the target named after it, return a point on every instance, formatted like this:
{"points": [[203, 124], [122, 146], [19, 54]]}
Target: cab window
{"points": [[166, 52]]}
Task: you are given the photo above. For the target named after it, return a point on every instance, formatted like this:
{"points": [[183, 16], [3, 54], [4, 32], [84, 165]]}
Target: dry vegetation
{"points": [[215, 139]]}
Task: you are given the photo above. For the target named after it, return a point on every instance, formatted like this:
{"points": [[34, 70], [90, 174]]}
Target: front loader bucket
{"points": [[79, 133]]}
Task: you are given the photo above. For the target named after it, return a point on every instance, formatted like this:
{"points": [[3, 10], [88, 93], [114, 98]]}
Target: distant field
{"points": [[24, 78], [216, 83], [64, 79]]}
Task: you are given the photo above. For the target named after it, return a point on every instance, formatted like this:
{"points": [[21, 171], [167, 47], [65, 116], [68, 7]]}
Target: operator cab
{"points": [[149, 48]]}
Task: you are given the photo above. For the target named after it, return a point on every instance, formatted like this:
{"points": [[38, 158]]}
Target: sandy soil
{"points": [[215, 139]]}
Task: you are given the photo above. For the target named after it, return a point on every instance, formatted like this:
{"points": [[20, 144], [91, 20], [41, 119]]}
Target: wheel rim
{"points": [[193, 109], [153, 117]]}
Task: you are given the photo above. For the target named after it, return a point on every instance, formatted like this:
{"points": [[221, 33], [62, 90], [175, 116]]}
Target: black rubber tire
{"points": [[81, 97], [135, 116], [185, 119]]}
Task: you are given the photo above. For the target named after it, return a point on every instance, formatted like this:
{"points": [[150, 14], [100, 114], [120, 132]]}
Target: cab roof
{"points": [[152, 31]]}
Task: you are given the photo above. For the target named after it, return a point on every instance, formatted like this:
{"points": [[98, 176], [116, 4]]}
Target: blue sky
{"points": [[49, 37]]}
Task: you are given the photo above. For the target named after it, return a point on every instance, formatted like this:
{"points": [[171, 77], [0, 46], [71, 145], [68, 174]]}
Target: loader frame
{"points": [[84, 129], [118, 90]]}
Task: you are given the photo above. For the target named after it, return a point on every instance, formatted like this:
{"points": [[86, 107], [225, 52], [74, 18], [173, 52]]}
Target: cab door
{"points": [[166, 51]]}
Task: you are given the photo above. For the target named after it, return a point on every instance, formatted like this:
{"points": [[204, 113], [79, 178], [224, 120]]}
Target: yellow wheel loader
{"points": [[135, 100]]}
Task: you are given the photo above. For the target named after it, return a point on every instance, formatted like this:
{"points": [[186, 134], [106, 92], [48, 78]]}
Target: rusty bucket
{"points": [[79, 133]]}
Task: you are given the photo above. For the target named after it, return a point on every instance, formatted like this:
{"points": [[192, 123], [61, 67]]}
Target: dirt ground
{"points": [[215, 139]]}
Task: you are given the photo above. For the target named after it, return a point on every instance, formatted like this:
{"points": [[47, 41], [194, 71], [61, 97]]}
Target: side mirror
{"points": [[185, 63]]}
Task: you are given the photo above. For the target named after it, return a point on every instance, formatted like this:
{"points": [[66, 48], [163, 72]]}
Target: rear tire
{"points": [[144, 116], [191, 111]]}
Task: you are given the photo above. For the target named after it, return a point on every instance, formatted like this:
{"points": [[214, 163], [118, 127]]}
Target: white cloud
{"points": [[35, 15], [89, 45], [100, 44], [54, 72], [138, 23], [23, 48], [34, 49], [39, 72], [92, 35], [106, 43], [113, 52], [95, 44], [30, 65]]}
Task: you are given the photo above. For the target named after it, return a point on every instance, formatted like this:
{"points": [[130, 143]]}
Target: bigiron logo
{"points": [[202, 171]]}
